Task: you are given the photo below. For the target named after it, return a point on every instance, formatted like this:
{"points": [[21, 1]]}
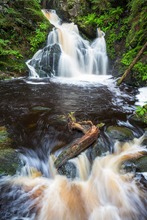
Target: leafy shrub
{"points": [[39, 38], [22, 26], [141, 110]]}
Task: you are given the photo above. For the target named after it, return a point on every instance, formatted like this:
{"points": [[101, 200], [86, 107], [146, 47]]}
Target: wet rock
{"points": [[73, 8], [140, 116], [68, 169], [141, 179], [129, 167], [141, 164], [10, 161], [119, 133], [8, 156], [41, 109], [46, 61], [4, 138], [101, 147]]}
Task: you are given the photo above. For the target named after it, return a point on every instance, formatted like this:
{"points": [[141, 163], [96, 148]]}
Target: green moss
{"points": [[8, 157], [109, 22], [140, 68], [141, 113], [4, 137], [19, 23], [39, 38], [119, 133]]}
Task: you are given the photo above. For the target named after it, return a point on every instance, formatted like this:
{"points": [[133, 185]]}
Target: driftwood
{"points": [[91, 133], [132, 64]]}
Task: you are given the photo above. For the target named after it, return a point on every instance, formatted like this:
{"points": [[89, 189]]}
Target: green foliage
{"points": [[124, 24], [99, 5], [135, 39], [39, 1], [39, 38], [105, 21], [141, 69], [141, 110], [21, 22], [6, 50], [109, 21], [138, 23], [136, 6], [129, 56], [24, 29]]}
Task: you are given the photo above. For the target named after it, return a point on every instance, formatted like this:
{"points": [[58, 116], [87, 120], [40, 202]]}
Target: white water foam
{"points": [[77, 56], [142, 96]]}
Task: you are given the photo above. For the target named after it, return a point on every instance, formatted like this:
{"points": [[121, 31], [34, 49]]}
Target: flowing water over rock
{"points": [[33, 112], [105, 181], [67, 53]]}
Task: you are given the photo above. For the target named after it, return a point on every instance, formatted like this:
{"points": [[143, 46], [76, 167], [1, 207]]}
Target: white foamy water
{"points": [[78, 56], [102, 192], [85, 80], [142, 96]]}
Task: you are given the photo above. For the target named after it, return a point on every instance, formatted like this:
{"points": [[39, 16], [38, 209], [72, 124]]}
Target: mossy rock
{"points": [[119, 133], [141, 164], [101, 147], [138, 118], [41, 109], [9, 159], [4, 138]]}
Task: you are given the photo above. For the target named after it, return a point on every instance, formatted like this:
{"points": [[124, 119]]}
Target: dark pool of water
{"points": [[28, 109], [33, 111]]}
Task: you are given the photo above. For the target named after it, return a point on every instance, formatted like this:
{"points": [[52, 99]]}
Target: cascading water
{"points": [[107, 192], [99, 186], [67, 54]]}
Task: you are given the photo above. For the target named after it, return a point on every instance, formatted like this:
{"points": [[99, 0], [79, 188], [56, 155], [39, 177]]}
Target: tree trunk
{"points": [[132, 64], [90, 135]]}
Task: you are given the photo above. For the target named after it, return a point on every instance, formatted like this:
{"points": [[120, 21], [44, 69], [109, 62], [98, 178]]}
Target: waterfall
{"points": [[105, 192], [67, 54]]}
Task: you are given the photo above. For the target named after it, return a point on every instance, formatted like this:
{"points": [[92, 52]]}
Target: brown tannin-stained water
{"points": [[103, 182], [97, 187]]}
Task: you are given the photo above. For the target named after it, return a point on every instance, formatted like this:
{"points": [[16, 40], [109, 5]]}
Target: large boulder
{"points": [[45, 62], [119, 133]]}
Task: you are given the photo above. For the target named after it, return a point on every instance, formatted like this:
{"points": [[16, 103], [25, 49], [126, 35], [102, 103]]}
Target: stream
{"points": [[33, 113], [104, 181]]}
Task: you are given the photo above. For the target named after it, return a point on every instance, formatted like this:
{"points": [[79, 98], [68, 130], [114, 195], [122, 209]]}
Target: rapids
{"points": [[33, 112], [96, 185]]}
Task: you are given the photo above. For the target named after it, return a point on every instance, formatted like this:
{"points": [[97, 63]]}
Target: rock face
{"points": [[69, 8], [73, 7], [45, 62]]}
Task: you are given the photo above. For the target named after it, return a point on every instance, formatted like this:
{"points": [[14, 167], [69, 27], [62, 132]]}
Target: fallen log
{"points": [[91, 133], [132, 64]]}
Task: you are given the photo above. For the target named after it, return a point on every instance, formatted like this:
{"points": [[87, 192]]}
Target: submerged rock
{"points": [[68, 169], [141, 164], [119, 133], [41, 109]]}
